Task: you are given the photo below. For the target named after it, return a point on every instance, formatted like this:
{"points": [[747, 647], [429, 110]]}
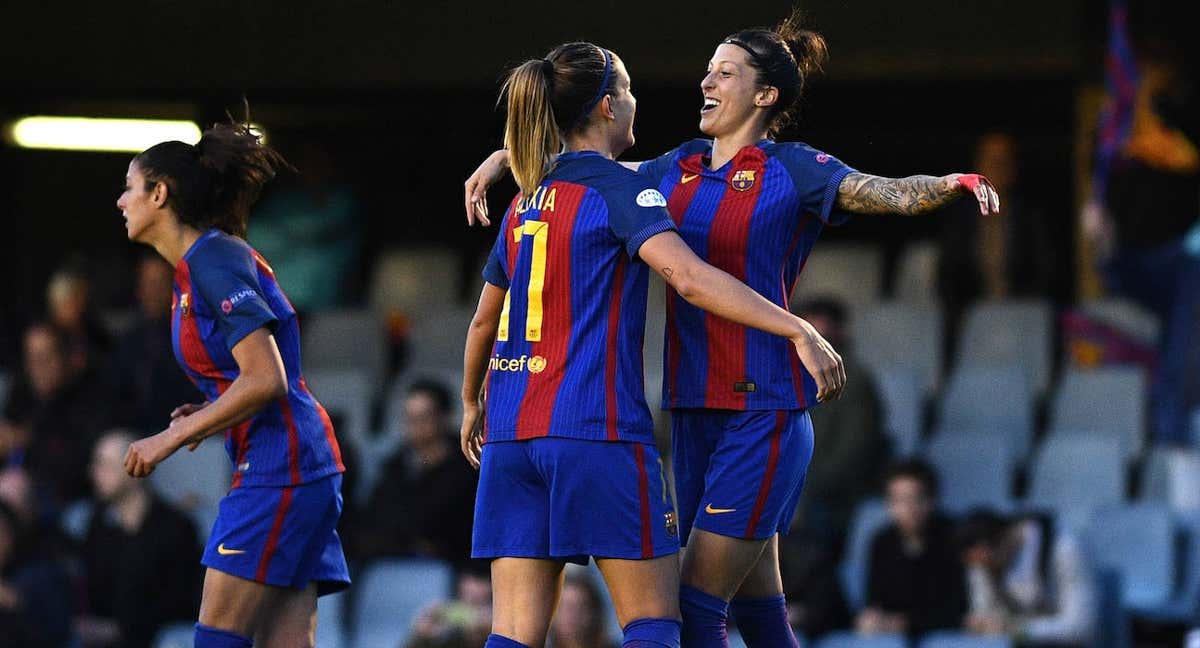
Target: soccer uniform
{"points": [[741, 433], [569, 467], [277, 524]]}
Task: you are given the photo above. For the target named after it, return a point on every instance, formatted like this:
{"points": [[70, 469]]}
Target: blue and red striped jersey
{"points": [[224, 291], [567, 361], [757, 218]]}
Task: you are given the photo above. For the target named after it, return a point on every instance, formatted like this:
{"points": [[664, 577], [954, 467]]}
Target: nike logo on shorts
{"points": [[228, 552]]}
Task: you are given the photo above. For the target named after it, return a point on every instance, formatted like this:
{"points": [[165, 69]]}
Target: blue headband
{"points": [[603, 86]]}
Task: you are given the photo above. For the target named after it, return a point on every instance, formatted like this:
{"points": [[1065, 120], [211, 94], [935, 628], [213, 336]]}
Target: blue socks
{"points": [[500, 641], [764, 621], [207, 637], [652, 633], [704, 618]]}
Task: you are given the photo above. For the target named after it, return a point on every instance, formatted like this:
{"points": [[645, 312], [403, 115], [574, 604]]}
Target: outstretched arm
{"points": [[861, 193], [488, 174]]}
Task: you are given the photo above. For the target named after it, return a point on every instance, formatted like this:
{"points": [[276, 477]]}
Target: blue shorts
{"points": [[568, 499], [739, 474], [285, 537]]}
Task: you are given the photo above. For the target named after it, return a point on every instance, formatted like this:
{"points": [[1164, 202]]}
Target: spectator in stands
{"points": [[141, 557], [579, 620], [850, 448], [1148, 233], [816, 604], [51, 420], [915, 582], [147, 380], [463, 622], [424, 501], [1000, 255], [68, 302], [34, 593], [309, 227], [1027, 580], [16, 492]]}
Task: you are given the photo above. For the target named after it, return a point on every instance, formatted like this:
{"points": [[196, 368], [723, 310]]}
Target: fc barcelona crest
{"points": [[672, 523], [185, 304], [743, 180]]}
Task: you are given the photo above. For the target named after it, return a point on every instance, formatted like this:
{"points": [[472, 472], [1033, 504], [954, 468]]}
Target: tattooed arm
{"points": [[861, 193]]}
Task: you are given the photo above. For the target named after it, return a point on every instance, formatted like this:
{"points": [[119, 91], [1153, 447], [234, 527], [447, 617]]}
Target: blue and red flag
{"points": [[1120, 84]]}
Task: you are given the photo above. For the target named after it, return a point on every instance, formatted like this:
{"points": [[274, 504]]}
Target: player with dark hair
{"points": [[568, 465], [754, 208], [274, 547]]}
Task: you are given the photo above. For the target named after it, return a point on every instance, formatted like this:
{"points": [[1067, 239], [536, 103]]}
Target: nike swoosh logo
{"points": [[713, 511], [688, 177], [228, 552]]}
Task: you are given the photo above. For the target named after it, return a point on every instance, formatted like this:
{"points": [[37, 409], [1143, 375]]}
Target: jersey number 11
{"points": [[540, 231]]}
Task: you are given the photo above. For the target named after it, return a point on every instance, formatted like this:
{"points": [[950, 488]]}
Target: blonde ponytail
{"points": [[531, 134]]}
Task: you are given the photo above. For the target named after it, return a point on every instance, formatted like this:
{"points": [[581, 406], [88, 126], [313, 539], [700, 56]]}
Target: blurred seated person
{"points": [[52, 418], [849, 442], [915, 582], [141, 557], [424, 501], [68, 303], [463, 622], [34, 593], [147, 380], [1027, 581], [310, 228], [815, 602], [579, 620]]}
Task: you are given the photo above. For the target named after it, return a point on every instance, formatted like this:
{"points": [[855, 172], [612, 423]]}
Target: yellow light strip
{"points": [[91, 134]]}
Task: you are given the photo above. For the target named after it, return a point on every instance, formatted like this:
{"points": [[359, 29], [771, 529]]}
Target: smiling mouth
{"points": [[709, 105]]}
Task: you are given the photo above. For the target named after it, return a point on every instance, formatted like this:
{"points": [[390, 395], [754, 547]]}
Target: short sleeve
{"points": [[655, 170], [636, 211], [816, 175], [495, 270], [227, 280]]}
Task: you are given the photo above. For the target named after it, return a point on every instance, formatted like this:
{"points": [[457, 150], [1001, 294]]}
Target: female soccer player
{"points": [[741, 433], [569, 469], [273, 548]]}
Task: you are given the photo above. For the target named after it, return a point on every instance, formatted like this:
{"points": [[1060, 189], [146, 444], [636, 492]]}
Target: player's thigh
{"points": [[289, 619], [642, 589], [233, 603], [717, 564], [764, 579], [524, 594]]}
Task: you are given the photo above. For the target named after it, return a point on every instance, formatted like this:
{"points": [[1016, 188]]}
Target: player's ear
{"points": [[606, 108], [159, 194], [766, 97]]}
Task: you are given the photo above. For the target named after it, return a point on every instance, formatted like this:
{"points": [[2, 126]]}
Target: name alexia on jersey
{"points": [[541, 199]]}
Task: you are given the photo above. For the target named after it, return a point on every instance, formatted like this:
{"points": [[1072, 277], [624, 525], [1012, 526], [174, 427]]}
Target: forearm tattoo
{"points": [[861, 193]]}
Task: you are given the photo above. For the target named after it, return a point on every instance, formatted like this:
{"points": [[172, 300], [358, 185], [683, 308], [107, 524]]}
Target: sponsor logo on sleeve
{"points": [[236, 298], [822, 158], [651, 198]]}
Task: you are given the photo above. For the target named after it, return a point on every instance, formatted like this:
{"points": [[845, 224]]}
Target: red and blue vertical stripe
{"points": [[289, 442], [583, 378]]}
